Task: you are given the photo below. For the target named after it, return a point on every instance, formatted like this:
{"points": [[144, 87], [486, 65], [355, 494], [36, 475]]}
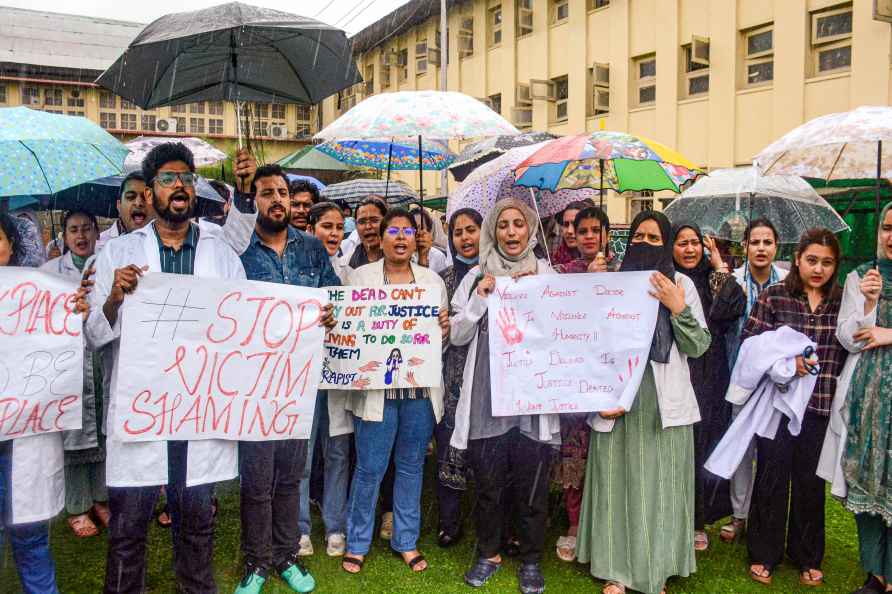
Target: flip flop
{"points": [[351, 560], [762, 579], [805, 578]]}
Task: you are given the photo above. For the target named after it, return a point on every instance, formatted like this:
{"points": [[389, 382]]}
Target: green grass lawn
{"points": [[722, 569]]}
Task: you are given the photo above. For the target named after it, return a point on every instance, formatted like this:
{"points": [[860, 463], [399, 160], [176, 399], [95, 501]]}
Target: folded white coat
{"points": [[772, 354]]}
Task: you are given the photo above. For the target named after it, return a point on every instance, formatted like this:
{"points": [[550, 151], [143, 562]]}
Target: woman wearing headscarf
{"points": [[637, 522], [723, 303], [501, 450], [856, 454], [464, 246]]}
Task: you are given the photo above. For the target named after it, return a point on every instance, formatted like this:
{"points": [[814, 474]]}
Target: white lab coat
{"points": [[107, 235], [145, 463], [469, 308], [851, 319], [340, 420], [773, 354]]}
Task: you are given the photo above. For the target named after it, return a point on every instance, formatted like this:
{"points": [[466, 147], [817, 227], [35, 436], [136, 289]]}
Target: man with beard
{"points": [[304, 195], [271, 470], [133, 210], [134, 471]]}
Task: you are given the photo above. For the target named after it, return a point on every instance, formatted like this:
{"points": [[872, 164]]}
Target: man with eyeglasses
{"points": [[271, 471], [171, 243]]}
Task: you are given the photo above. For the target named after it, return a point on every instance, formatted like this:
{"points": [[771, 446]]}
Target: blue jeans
{"points": [[406, 428], [336, 473], [30, 542]]}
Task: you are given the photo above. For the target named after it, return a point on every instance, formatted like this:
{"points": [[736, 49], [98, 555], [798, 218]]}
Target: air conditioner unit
{"points": [[278, 131], [166, 125], [882, 10]]}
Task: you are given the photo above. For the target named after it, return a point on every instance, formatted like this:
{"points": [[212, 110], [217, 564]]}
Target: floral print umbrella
{"points": [[494, 181], [396, 155]]}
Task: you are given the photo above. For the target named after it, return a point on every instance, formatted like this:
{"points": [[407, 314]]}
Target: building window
{"points": [[75, 98], [522, 113], [696, 67], [107, 120], [178, 109], [303, 112], [466, 38], [645, 69], [369, 84], [196, 107], [79, 114], [52, 97], [387, 59], [495, 25], [2, 93], [560, 10], [148, 122], [261, 110], [759, 56], [30, 96], [261, 128], [128, 121], [181, 125], [55, 111], [127, 104], [215, 126], [421, 57], [599, 75], [402, 63], [215, 107], [107, 100], [524, 10], [196, 125], [596, 4], [277, 111], [495, 102], [831, 40]]}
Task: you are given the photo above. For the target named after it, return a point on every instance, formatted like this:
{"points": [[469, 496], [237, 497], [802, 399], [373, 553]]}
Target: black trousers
{"points": [[448, 499], [525, 464], [191, 510], [270, 500], [785, 472]]}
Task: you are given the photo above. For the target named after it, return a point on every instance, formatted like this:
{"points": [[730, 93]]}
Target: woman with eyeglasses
{"points": [[399, 419], [501, 450], [636, 528]]}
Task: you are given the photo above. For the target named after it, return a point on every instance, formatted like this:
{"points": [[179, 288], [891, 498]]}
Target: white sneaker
{"points": [[337, 544], [306, 546], [386, 532]]}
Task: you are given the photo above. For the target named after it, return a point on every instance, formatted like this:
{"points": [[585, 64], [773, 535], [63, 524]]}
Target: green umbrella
{"points": [[310, 158]]}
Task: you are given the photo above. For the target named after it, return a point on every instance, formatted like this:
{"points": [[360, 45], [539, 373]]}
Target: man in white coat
{"points": [[134, 211], [189, 469]]}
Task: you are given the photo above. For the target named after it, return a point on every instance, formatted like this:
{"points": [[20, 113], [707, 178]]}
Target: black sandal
{"points": [[351, 560], [419, 558]]}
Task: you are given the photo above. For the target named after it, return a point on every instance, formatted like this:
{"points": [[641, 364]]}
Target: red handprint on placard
{"points": [[415, 361], [410, 378], [361, 383], [508, 325], [370, 366], [633, 365]]}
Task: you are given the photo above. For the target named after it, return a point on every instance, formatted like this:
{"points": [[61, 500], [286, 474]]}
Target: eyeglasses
{"points": [[167, 179], [406, 231]]}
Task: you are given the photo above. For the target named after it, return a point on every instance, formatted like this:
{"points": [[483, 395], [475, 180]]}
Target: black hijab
{"points": [[699, 273], [643, 256], [460, 268]]}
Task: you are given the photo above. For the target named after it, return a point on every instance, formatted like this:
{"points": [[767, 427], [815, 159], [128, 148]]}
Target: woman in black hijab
{"points": [[723, 303]]}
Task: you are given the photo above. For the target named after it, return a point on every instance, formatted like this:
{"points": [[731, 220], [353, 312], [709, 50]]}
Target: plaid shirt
{"points": [[776, 308]]}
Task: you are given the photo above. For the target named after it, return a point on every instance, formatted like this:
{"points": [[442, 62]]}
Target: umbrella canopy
{"points": [[203, 152], [355, 190], [43, 153], [609, 160], [838, 146], [396, 155], [488, 149], [309, 158], [494, 181], [232, 52], [723, 202], [293, 177], [431, 114]]}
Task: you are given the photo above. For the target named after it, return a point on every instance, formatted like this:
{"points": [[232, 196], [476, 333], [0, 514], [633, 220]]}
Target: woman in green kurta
{"points": [[637, 523], [867, 462]]}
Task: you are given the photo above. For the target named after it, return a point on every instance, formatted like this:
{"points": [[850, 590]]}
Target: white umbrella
{"points": [[203, 152]]}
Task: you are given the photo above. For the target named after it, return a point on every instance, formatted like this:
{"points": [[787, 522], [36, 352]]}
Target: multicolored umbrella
{"points": [[43, 153], [475, 155], [203, 152], [494, 181], [396, 155], [605, 160]]}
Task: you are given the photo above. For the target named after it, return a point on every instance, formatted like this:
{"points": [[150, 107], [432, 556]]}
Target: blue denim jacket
{"points": [[304, 262]]}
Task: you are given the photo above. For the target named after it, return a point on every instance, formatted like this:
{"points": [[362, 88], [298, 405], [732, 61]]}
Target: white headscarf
{"points": [[492, 259]]}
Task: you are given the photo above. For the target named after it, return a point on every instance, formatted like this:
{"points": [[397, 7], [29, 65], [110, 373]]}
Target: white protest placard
{"points": [[387, 337], [569, 343], [41, 353], [210, 358]]}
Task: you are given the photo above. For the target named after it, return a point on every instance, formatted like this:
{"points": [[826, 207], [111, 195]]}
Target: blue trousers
{"points": [[406, 429], [30, 542]]}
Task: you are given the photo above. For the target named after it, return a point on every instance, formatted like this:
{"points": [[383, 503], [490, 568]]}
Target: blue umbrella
{"points": [[44, 153], [293, 177]]}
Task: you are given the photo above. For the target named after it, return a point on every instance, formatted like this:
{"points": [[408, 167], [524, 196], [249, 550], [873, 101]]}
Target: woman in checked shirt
{"points": [[808, 301]]}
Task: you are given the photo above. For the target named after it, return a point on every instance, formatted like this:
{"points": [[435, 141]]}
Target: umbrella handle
{"points": [[541, 226], [238, 121]]}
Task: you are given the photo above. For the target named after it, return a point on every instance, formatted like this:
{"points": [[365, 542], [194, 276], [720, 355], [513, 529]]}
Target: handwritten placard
{"points": [[569, 343], [41, 353], [208, 358], [387, 337]]}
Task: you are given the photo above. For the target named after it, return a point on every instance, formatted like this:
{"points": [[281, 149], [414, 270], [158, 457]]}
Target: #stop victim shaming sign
{"points": [[41, 353], [210, 358], [569, 343]]}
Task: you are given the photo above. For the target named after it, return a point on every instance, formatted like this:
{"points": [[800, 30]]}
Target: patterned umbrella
{"points": [[722, 203], [494, 181], [396, 155], [486, 150], [603, 159], [354, 191], [43, 153], [203, 152]]}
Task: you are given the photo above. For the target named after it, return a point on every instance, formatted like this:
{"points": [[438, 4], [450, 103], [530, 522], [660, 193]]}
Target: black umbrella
{"points": [[481, 152], [232, 52]]}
